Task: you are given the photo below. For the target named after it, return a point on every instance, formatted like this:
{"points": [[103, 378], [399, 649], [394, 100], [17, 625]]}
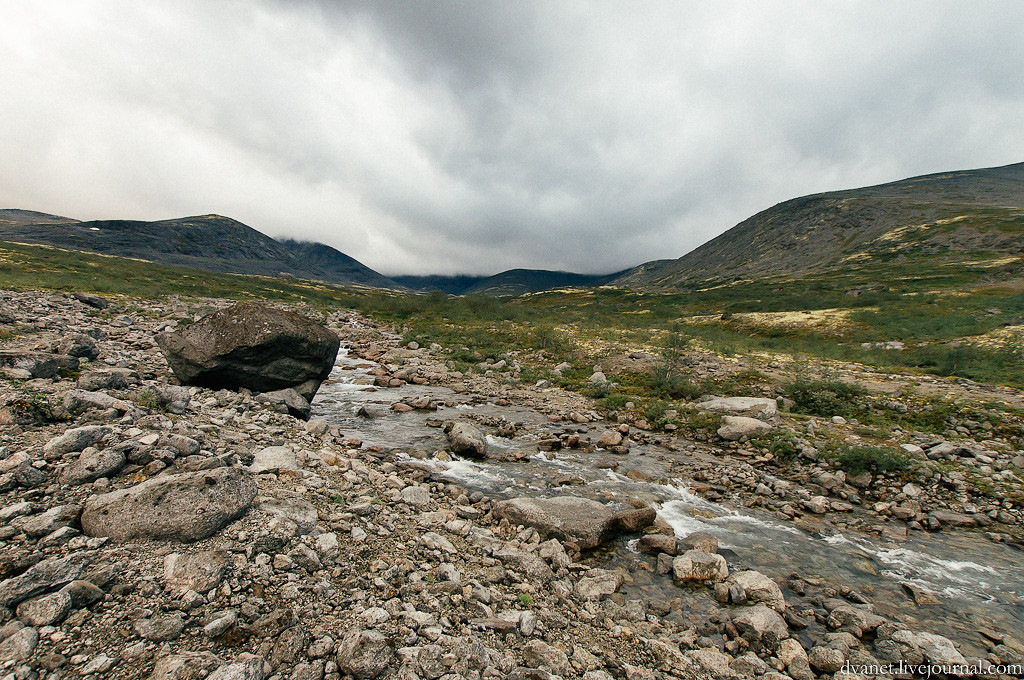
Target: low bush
{"points": [[858, 459]]}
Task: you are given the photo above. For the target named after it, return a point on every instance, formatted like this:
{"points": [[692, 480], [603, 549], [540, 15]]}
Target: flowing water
{"points": [[979, 583]]}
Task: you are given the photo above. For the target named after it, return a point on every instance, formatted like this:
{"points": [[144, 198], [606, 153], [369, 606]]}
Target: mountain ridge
{"points": [[830, 230]]}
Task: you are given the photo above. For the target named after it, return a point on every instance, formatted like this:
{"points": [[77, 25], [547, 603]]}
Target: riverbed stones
{"points": [[465, 439], [697, 565], [598, 583], [287, 401], [245, 667], [254, 346], [753, 587], [699, 540], [761, 626], [582, 521], [856, 619], [654, 544], [184, 507], [826, 659], [938, 650]]}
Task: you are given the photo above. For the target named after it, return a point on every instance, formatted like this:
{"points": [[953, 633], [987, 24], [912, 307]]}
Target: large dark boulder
{"points": [[253, 346]]}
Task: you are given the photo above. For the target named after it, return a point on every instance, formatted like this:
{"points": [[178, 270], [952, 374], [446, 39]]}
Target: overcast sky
{"points": [[472, 137]]}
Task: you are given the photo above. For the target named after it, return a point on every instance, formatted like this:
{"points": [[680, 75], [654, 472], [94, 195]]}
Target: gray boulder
{"points": [[761, 626], [79, 345], [200, 571], [92, 465], [253, 346], [753, 587], [697, 565], [582, 521], [365, 654], [186, 507], [35, 364], [465, 439], [274, 459], [95, 301], [287, 400], [19, 646], [760, 408], [736, 428], [45, 610], [75, 439], [43, 577]]}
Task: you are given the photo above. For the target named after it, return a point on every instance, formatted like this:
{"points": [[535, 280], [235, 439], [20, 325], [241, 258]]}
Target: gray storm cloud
{"points": [[445, 137]]}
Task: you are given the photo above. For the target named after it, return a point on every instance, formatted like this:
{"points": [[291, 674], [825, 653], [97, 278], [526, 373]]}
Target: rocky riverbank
{"points": [[153, 530]]}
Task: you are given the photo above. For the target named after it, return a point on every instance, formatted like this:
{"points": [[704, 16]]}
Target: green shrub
{"points": [[614, 402], [858, 459], [825, 397]]}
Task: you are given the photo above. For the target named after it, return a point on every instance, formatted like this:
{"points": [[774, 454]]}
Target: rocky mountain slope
{"points": [[207, 242], [970, 216]]}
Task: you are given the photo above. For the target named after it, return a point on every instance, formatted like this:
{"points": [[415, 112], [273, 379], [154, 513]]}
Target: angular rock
{"points": [[185, 507], [938, 650], [77, 401], [79, 345], [36, 364], [465, 439], [19, 646], [653, 544], [91, 299], [161, 627], [297, 510], [184, 666], [541, 655], [92, 465], [274, 459], [75, 439], [753, 587], [246, 667], [47, 522], [582, 521], [254, 346], [761, 626], [696, 565], [609, 438], [107, 379], [294, 403], [761, 408], [364, 654], [856, 619], [45, 610], [699, 540], [735, 428], [42, 577], [200, 571], [597, 583]]}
